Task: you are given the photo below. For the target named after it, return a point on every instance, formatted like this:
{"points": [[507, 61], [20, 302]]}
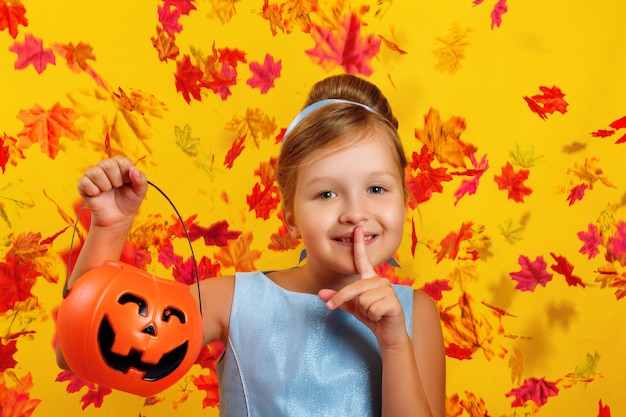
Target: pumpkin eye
{"points": [[130, 298], [171, 311]]}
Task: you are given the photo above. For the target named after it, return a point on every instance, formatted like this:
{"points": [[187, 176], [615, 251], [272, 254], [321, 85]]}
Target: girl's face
{"points": [[337, 190]]}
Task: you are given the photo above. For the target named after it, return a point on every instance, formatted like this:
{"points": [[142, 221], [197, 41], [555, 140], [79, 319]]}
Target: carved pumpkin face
{"points": [[124, 328]]}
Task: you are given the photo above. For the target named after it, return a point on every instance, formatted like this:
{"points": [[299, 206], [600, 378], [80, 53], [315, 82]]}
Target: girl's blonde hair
{"points": [[339, 125]]}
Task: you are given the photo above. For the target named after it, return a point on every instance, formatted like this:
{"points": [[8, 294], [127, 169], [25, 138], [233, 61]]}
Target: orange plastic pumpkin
{"points": [[126, 329]]}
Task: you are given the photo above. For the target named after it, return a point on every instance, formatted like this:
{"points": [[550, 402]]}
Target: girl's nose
{"points": [[354, 211]]}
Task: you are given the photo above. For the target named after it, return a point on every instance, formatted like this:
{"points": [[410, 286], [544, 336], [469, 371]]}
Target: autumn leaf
{"points": [[511, 231], [547, 103], [603, 410], [256, 124], [513, 182], [169, 18], [272, 13], [231, 57], [32, 52], [516, 363], [496, 14], [450, 245], [95, 393], [450, 50], [282, 240], [591, 239], [239, 254], [436, 288], [183, 6], [617, 243], [525, 158], [531, 274], [566, 269], [576, 193], [12, 14], [78, 55], [264, 75], [188, 78], [296, 14], [47, 127], [619, 282], [188, 144], [165, 45], [443, 138], [422, 179], [474, 406], [589, 173], [344, 47], [537, 390], [471, 186], [457, 352], [218, 234], [224, 10], [6, 354], [235, 150], [208, 384], [10, 151], [15, 398]]}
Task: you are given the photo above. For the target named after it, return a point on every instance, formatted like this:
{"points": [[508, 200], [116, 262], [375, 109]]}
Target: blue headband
{"points": [[318, 104]]}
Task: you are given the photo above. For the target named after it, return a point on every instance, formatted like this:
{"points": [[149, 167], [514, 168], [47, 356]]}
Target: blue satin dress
{"points": [[288, 356]]}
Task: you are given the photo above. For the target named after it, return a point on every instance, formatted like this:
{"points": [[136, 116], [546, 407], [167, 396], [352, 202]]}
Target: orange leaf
{"points": [[443, 138], [238, 254], [46, 127]]}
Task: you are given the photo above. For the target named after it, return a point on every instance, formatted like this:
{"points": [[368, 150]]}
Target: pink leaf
{"points": [[531, 274], [264, 75], [31, 52], [591, 240]]}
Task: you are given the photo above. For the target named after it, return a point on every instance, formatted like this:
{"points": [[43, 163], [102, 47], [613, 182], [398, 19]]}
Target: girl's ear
{"points": [[290, 222]]}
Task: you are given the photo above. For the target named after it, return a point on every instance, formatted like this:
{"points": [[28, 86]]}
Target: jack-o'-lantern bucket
{"points": [[124, 328]]}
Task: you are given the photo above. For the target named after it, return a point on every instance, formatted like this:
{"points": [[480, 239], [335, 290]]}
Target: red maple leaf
{"points": [[183, 6], [16, 280], [235, 150], [566, 269], [531, 274], [604, 410], [188, 78], [617, 242], [413, 237], [619, 123], [220, 81], [165, 45], [470, 186], [232, 57], [577, 193], [4, 153], [264, 75], [602, 133], [621, 140], [31, 52], [12, 14], [547, 103], [282, 240], [344, 46], [436, 288], [423, 179], [6, 355], [263, 200], [208, 384], [619, 282], [46, 127], [591, 239], [451, 244], [496, 14], [210, 354], [215, 235], [513, 182], [169, 19], [535, 390], [95, 393], [457, 352]]}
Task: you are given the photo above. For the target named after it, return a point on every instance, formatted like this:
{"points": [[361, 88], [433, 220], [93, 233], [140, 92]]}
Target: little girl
{"points": [[331, 337]]}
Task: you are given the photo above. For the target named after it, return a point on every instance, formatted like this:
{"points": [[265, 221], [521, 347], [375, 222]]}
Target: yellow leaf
{"points": [[224, 10], [238, 254], [255, 124], [443, 138], [451, 49]]}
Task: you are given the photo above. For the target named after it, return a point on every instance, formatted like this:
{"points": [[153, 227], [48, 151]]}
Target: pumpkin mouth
{"points": [[152, 371]]}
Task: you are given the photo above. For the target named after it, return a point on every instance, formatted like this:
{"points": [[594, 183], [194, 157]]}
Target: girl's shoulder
{"points": [[216, 299]]}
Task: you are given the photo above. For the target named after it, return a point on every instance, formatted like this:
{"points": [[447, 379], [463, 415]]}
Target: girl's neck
{"points": [[307, 279]]}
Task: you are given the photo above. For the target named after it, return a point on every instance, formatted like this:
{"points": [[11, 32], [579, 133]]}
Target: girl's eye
{"points": [[326, 195], [376, 189]]}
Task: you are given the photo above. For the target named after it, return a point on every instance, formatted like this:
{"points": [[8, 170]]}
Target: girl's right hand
{"points": [[115, 188]]}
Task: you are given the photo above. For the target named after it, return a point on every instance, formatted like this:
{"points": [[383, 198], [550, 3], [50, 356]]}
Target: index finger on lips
{"points": [[361, 258]]}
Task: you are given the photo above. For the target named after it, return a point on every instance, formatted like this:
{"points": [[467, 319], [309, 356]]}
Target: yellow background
{"points": [[576, 45]]}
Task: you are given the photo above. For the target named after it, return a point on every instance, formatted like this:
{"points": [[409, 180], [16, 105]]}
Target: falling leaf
{"points": [[15, 398], [617, 243], [188, 79], [516, 363], [443, 138], [591, 239], [525, 158], [577, 193], [169, 19], [12, 14], [297, 14], [231, 57], [511, 231], [235, 150], [208, 384], [435, 288], [272, 13], [239, 254], [450, 50], [78, 55], [589, 173], [537, 390], [9, 151], [264, 75], [471, 186], [474, 406], [7, 350], [513, 182], [256, 124], [496, 14], [165, 45], [344, 47], [566, 269], [531, 274], [547, 103], [604, 410], [224, 10], [185, 142], [47, 127], [422, 179], [450, 245], [31, 52]]}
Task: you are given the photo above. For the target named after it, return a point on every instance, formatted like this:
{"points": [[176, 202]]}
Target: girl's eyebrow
{"points": [[330, 178]]}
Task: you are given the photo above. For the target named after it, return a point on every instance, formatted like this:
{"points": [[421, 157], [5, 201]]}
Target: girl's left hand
{"points": [[372, 299]]}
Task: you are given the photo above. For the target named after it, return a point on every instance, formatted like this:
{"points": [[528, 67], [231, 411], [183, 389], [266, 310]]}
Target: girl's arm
{"points": [[413, 382]]}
